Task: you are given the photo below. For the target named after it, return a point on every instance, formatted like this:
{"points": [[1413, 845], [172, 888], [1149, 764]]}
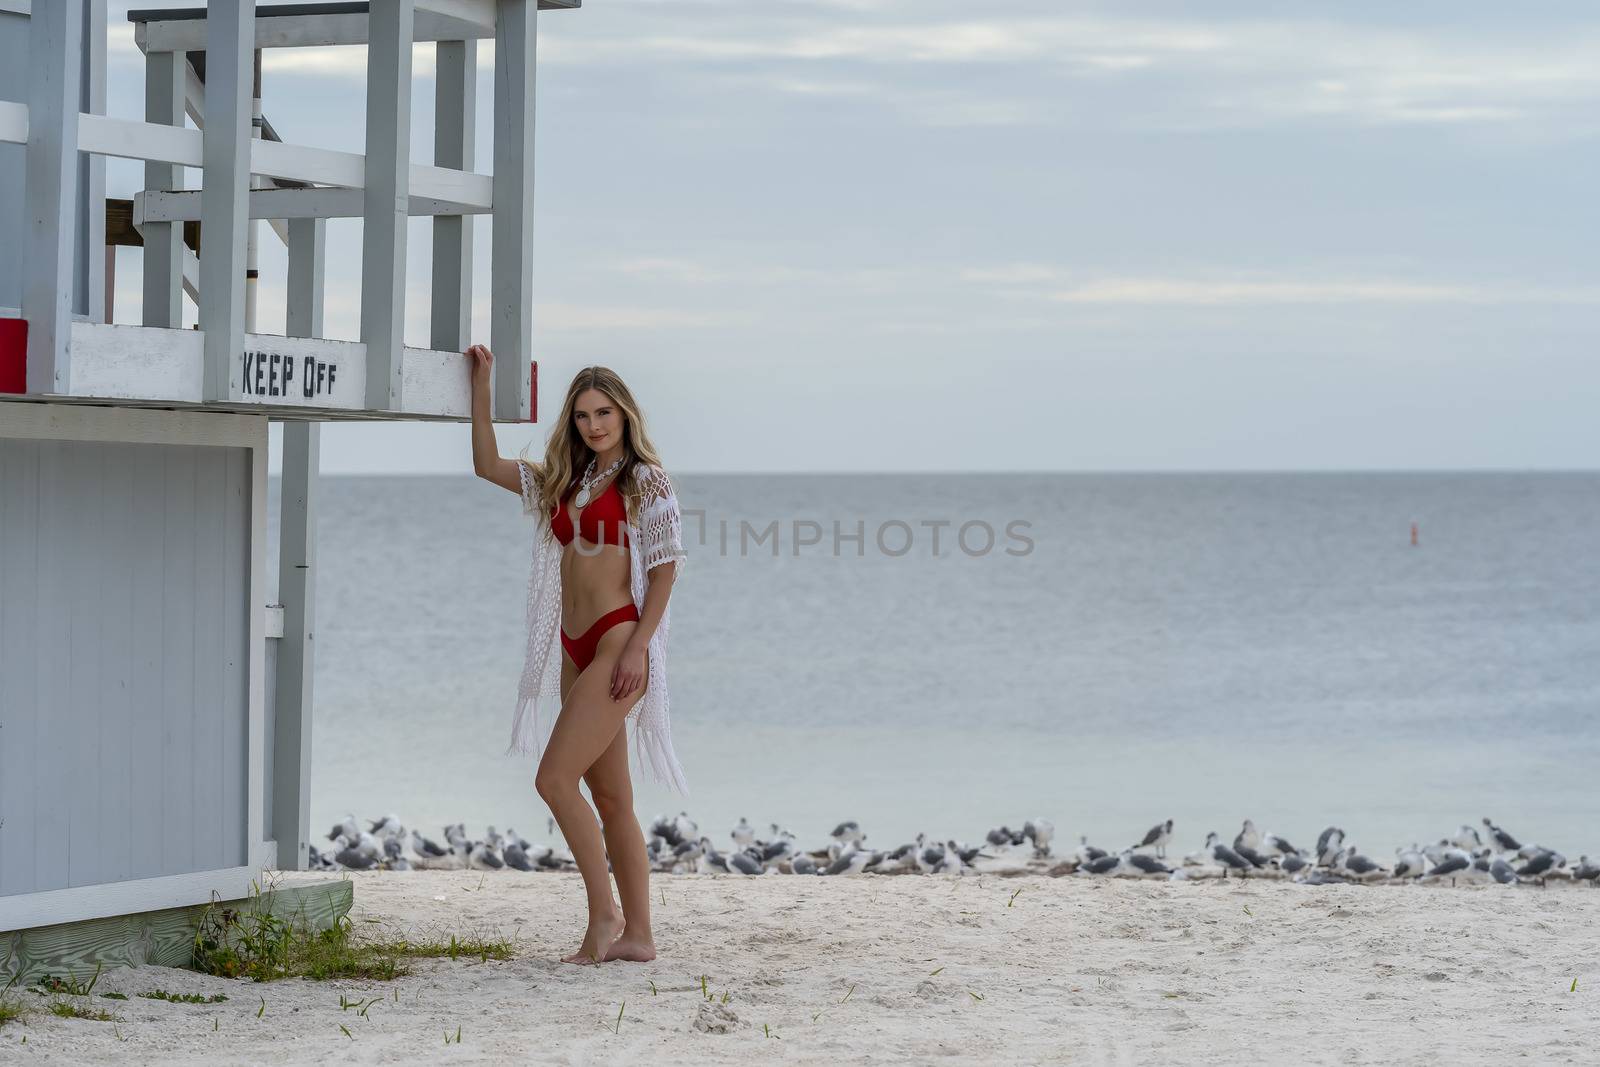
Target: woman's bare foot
{"points": [[598, 938], [628, 947]]}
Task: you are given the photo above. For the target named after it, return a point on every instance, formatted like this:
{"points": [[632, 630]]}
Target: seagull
{"points": [[1227, 858], [1539, 866], [1501, 840], [1329, 843], [1256, 859], [1039, 830], [1086, 852], [1586, 871], [1273, 845], [1000, 837], [1292, 863], [1157, 837], [1501, 871], [1409, 863], [1248, 837], [1103, 864], [950, 862], [745, 863], [1140, 864], [1201, 856], [517, 857], [1353, 863], [385, 825], [803, 864], [847, 831], [348, 828], [851, 861], [744, 835], [424, 847], [1466, 837], [1453, 864]]}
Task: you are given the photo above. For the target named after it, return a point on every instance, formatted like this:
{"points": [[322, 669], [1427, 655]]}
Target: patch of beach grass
{"points": [[249, 941]]}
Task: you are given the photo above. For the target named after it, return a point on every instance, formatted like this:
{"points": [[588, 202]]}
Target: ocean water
{"points": [[1201, 647]]}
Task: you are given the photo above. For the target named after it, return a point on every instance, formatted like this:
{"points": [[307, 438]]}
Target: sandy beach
{"points": [[988, 968]]}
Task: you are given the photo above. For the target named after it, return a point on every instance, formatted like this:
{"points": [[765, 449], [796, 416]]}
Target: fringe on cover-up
{"points": [[655, 540]]}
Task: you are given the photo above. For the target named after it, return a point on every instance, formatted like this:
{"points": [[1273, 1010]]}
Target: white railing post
{"points": [[454, 116], [55, 72], [225, 191], [511, 282], [387, 200], [290, 818], [164, 81]]}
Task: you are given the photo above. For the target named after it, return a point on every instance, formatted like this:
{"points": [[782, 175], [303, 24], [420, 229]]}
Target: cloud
{"points": [[585, 318], [1056, 285], [1189, 73]]}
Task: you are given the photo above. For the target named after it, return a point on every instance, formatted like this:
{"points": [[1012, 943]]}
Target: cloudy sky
{"points": [[1029, 234]]}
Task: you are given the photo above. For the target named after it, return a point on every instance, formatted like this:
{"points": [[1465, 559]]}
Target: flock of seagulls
{"points": [[676, 846]]}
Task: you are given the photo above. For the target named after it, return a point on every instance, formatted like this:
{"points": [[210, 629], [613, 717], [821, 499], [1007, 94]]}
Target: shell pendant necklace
{"points": [[582, 498]]}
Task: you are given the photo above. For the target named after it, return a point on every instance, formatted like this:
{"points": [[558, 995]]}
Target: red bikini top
{"points": [[603, 521]]}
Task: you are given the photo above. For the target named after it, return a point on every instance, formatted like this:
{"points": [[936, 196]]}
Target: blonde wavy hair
{"points": [[566, 454]]}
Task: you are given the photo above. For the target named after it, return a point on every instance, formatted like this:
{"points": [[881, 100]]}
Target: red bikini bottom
{"points": [[582, 649]]}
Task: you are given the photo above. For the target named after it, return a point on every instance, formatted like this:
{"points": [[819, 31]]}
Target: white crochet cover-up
{"points": [[657, 538]]}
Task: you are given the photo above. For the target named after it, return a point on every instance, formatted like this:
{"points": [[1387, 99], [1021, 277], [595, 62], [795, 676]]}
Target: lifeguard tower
{"points": [[155, 696]]}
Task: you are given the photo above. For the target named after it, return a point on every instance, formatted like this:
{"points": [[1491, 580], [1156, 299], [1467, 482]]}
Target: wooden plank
{"points": [[19, 635], [234, 699], [80, 493], [308, 241], [53, 641], [261, 852], [132, 139], [383, 246], [146, 540], [320, 203], [289, 821], [178, 623], [204, 773], [163, 241], [163, 937], [117, 567], [92, 255], [57, 422], [120, 900], [454, 120], [184, 34], [511, 284], [55, 71], [229, 71]]}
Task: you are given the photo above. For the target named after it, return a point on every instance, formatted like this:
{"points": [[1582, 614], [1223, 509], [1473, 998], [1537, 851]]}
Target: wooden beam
{"points": [[159, 937], [92, 169], [148, 141], [290, 822], [164, 96], [280, 375], [383, 233], [319, 203], [229, 64], [308, 240], [50, 206], [454, 119], [183, 30], [511, 283]]}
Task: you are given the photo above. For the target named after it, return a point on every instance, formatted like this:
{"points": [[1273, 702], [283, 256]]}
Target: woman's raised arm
{"points": [[487, 462]]}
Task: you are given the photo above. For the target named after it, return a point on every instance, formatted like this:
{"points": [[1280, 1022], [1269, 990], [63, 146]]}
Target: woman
{"points": [[607, 519]]}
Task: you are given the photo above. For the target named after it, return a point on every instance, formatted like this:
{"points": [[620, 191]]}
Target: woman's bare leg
{"points": [[612, 790], [588, 721]]}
